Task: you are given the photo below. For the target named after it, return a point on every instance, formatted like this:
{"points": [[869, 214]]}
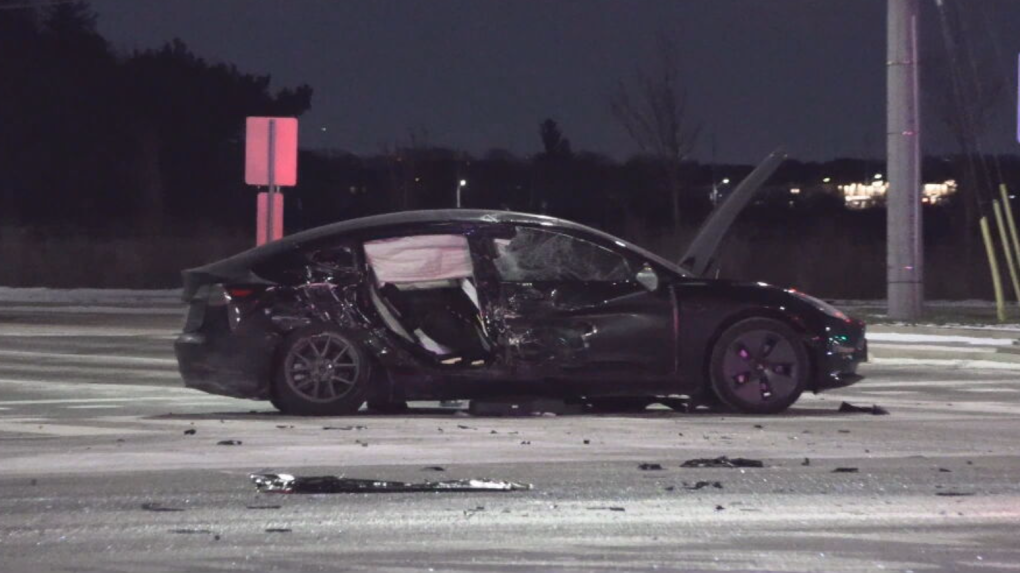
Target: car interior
{"points": [[423, 287]]}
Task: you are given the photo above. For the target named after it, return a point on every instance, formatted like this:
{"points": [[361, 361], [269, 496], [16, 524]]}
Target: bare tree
{"points": [[652, 108]]}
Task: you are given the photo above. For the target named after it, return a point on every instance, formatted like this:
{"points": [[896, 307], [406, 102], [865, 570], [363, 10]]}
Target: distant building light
{"points": [[795, 191], [726, 181], [878, 176], [827, 180]]}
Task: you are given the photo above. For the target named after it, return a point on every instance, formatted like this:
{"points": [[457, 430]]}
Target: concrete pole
{"points": [[904, 246]]}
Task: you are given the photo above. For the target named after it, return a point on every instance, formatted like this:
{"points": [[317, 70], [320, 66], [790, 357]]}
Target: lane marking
{"points": [[933, 347], [902, 337], [103, 358], [956, 364], [98, 309], [94, 407]]}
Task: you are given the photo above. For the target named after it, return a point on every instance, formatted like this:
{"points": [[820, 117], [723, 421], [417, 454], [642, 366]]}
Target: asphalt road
{"points": [[98, 474]]}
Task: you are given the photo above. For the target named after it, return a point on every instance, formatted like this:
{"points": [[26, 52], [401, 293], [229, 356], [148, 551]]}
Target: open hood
{"points": [[700, 255]]}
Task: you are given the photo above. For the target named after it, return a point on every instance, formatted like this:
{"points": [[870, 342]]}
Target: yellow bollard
{"points": [[1000, 303], [1006, 248], [1009, 220]]}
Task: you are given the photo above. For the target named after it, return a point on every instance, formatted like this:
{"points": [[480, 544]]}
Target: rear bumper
{"points": [[236, 367]]}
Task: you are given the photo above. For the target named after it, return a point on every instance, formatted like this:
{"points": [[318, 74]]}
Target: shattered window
{"points": [[334, 257], [537, 255]]}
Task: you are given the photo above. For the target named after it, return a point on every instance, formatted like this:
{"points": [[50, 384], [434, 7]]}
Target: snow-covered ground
{"points": [[905, 337], [88, 296]]}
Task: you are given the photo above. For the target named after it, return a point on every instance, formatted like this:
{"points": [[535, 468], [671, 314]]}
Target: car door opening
{"points": [[424, 288]]}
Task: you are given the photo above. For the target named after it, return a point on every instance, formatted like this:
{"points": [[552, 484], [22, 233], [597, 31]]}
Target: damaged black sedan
{"points": [[464, 304]]}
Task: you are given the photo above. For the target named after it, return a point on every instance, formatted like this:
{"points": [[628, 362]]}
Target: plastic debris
{"points": [[286, 483], [723, 462], [847, 407], [703, 484], [650, 467]]}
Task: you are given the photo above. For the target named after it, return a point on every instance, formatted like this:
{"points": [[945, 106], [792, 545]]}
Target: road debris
{"points": [[848, 408], [191, 531], [278, 530], [607, 508], [229, 443], [154, 506], [433, 469], [719, 508], [806, 462], [345, 428], [286, 483], [703, 484], [190, 432], [845, 470], [722, 462], [650, 467], [954, 493], [263, 506]]}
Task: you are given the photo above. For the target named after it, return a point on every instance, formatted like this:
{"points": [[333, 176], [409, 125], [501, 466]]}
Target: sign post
{"points": [[270, 160]]}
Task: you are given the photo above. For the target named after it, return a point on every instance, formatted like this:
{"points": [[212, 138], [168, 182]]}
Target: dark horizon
{"points": [[477, 76]]}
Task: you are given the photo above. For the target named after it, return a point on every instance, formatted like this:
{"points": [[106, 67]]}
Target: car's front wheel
{"points": [[321, 372], [759, 366]]}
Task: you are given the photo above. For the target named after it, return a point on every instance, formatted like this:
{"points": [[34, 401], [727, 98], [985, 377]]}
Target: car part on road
{"points": [[650, 467], [703, 484], [286, 483], [848, 408], [723, 462], [759, 366], [845, 470], [229, 443]]}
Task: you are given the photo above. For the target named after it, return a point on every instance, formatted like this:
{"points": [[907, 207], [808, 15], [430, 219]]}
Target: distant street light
{"points": [[460, 185]]}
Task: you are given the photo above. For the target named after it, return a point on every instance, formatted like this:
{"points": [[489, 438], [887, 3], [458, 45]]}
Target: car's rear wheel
{"points": [[759, 366], [321, 372]]}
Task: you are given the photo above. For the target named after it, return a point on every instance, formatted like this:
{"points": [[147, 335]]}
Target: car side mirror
{"points": [[647, 278]]}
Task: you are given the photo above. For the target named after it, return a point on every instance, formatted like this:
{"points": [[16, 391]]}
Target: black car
{"points": [[465, 304]]}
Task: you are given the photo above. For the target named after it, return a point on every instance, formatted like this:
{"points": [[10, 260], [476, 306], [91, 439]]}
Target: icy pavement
{"points": [[108, 464]]}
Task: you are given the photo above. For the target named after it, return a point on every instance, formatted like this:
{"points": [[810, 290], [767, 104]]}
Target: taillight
{"points": [[240, 292]]}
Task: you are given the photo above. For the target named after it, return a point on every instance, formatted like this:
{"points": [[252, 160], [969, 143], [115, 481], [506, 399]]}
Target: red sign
{"points": [[261, 233], [270, 151]]}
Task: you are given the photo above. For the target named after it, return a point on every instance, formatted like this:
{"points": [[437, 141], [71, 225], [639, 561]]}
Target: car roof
{"points": [[239, 265]]}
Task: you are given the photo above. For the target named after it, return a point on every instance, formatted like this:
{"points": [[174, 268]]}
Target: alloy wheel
{"points": [[322, 368]]}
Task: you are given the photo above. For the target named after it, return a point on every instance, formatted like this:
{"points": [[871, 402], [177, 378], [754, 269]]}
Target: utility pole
{"points": [[904, 242]]}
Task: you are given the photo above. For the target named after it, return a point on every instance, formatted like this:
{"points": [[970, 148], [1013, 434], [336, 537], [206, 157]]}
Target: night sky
{"points": [[481, 74]]}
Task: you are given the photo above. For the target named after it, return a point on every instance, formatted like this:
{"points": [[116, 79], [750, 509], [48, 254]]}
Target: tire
{"points": [[321, 371], [759, 366]]}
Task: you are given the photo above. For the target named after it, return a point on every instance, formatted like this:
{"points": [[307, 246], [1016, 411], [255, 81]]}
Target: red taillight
{"points": [[240, 292]]}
